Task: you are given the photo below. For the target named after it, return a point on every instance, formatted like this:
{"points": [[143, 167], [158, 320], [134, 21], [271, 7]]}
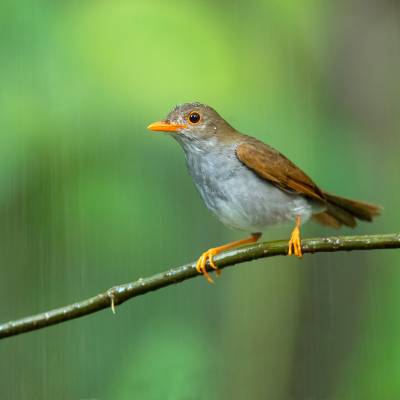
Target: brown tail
{"points": [[341, 211]]}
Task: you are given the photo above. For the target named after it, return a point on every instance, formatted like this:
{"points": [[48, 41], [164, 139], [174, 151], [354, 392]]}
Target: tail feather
{"points": [[341, 211]]}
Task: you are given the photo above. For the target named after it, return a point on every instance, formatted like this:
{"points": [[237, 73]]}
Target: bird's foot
{"points": [[295, 240], [202, 261], [201, 265]]}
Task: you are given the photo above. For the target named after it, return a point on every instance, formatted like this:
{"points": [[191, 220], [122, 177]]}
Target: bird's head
{"points": [[193, 122]]}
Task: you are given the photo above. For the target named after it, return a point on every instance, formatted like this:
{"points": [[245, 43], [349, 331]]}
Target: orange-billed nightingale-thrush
{"points": [[249, 185]]}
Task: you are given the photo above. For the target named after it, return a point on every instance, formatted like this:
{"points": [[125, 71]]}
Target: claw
{"points": [[202, 262], [295, 240]]}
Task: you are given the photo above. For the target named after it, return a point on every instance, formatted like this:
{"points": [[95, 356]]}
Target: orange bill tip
{"points": [[165, 126]]}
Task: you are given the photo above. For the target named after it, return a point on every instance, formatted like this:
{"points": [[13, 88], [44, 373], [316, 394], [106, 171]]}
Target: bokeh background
{"points": [[89, 198]]}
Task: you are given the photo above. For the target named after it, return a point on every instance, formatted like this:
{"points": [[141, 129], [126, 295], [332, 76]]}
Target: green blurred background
{"points": [[89, 198]]}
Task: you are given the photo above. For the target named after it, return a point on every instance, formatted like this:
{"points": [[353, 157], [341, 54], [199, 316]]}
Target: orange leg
{"points": [[295, 240], [209, 255]]}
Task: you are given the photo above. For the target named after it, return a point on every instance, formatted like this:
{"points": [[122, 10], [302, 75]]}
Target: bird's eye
{"points": [[194, 117]]}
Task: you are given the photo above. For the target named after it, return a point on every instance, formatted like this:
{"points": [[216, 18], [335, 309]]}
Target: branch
{"points": [[119, 294]]}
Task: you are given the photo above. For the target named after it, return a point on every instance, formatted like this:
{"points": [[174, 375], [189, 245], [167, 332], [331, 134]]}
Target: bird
{"points": [[248, 184]]}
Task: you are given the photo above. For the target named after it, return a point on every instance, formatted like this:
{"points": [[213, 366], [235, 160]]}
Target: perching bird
{"points": [[249, 185]]}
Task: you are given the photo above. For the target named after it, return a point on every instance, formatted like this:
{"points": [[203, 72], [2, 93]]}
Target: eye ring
{"points": [[194, 117]]}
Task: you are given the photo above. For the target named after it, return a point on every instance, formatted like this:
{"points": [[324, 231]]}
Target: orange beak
{"points": [[165, 126]]}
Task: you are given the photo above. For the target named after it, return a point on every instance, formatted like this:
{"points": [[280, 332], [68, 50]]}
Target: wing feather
{"points": [[274, 167]]}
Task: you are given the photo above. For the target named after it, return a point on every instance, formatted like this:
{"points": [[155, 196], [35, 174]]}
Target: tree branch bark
{"points": [[119, 294]]}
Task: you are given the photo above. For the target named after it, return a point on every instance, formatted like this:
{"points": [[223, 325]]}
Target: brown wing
{"points": [[274, 167]]}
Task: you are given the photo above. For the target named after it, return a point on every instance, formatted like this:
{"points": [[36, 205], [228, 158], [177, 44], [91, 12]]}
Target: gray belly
{"points": [[242, 200]]}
